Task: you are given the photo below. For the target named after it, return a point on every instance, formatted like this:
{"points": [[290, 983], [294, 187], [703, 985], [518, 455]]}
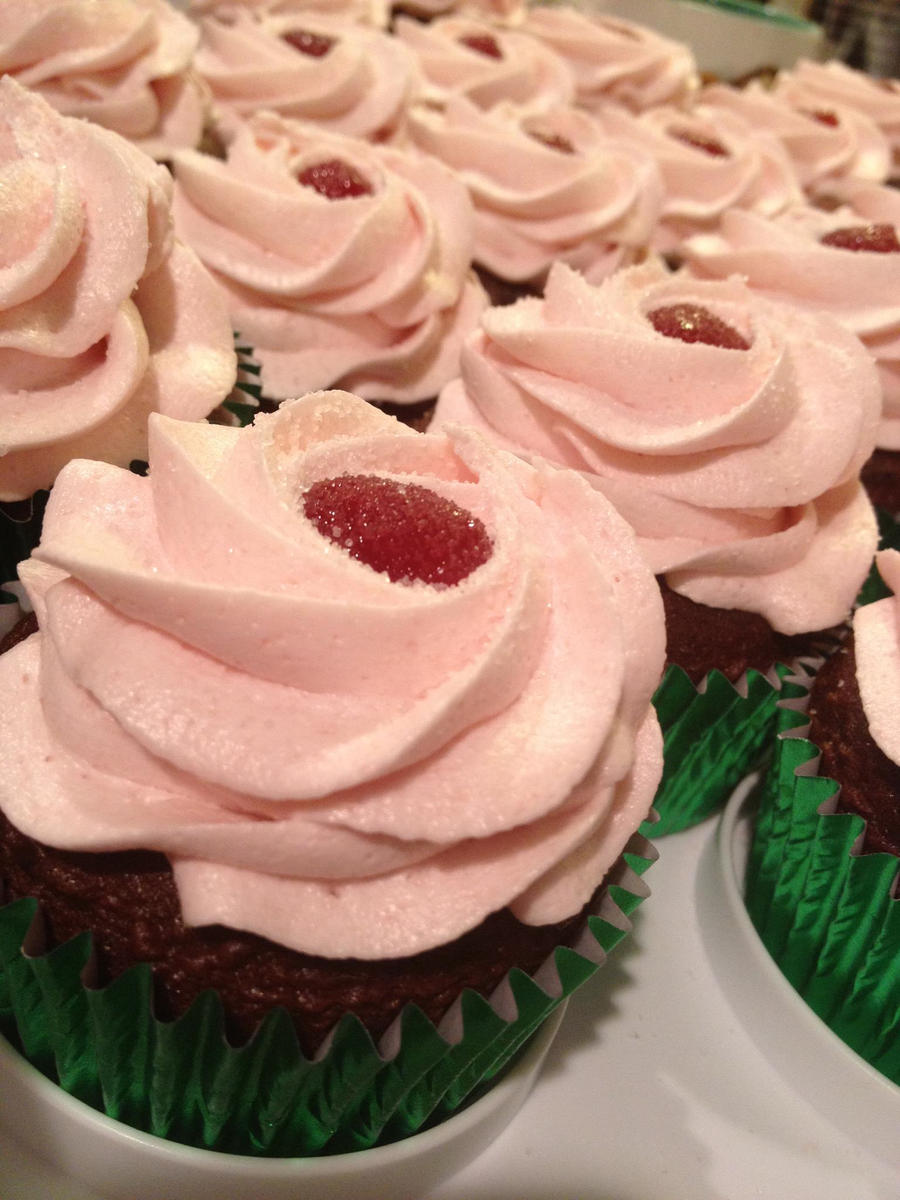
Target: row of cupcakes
{"points": [[788, 408]]}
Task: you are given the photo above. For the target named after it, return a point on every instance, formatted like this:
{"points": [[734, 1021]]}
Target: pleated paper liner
{"points": [[714, 735], [181, 1080], [825, 912]]}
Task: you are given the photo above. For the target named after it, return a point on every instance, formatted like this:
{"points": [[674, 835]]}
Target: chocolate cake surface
{"points": [[700, 638], [870, 781], [129, 903]]}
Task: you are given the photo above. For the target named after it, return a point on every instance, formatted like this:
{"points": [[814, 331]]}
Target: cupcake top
{"points": [[824, 144], [844, 262], [367, 12], [486, 63], [341, 262], [124, 64], [613, 59], [410, 686], [710, 161], [728, 430], [344, 77], [545, 187], [834, 85], [104, 316]]}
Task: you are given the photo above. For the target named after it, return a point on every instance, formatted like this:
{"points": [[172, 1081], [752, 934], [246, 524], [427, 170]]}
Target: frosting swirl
{"points": [[104, 317], [544, 187], [347, 765], [371, 291], [813, 85], [737, 467], [786, 259], [710, 162], [617, 60], [344, 77], [367, 12], [824, 145], [124, 64], [486, 63]]}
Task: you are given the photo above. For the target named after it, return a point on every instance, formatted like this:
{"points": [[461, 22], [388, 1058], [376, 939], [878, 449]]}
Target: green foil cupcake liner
{"points": [[181, 1080], [825, 912], [713, 736]]}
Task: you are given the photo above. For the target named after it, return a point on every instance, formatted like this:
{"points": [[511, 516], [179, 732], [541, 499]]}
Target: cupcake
{"points": [[729, 432], [825, 145], [124, 64], [835, 86], [823, 866], [485, 63], [710, 162], [366, 12], [341, 263], [615, 60], [345, 78], [107, 317], [378, 746], [844, 262], [544, 187]]}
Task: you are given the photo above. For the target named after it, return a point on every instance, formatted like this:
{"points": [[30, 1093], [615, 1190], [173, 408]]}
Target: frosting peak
{"points": [[348, 764]]}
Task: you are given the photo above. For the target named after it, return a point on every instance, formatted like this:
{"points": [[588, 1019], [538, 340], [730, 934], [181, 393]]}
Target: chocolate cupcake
{"points": [[826, 848], [355, 770], [729, 432]]}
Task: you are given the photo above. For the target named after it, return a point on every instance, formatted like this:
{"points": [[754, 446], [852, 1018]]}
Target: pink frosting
{"points": [[103, 316], [737, 468], [838, 144], [876, 629], [785, 260], [498, 10], [710, 161], [367, 12], [614, 59], [125, 64], [834, 85], [360, 86], [371, 292], [346, 765], [526, 73], [592, 203]]}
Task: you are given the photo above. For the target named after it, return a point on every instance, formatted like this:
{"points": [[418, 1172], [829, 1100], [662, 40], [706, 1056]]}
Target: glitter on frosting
{"points": [[738, 469], [347, 765], [104, 316]]}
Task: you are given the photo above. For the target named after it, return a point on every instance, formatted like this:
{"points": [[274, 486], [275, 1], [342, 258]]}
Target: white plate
{"points": [[654, 1089]]}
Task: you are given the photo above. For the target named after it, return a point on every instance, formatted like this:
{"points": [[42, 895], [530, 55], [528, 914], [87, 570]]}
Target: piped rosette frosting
{"points": [[346, 78], [544, 187], [614, 59], [342, 263], [710, 162], [486, 63], [366, 12], [833, 86], [825, 145], [728, 430], [104, 316], [349, 759], [844, 262], [124, 64]]}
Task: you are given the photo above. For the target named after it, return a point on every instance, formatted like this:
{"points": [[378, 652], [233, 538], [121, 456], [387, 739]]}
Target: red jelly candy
{"points": [[700, 141], [881, 239], [404, 530], [824, 117], [555, 141], [316, 45], [482, 43], [335, 179], [693, 323]]}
